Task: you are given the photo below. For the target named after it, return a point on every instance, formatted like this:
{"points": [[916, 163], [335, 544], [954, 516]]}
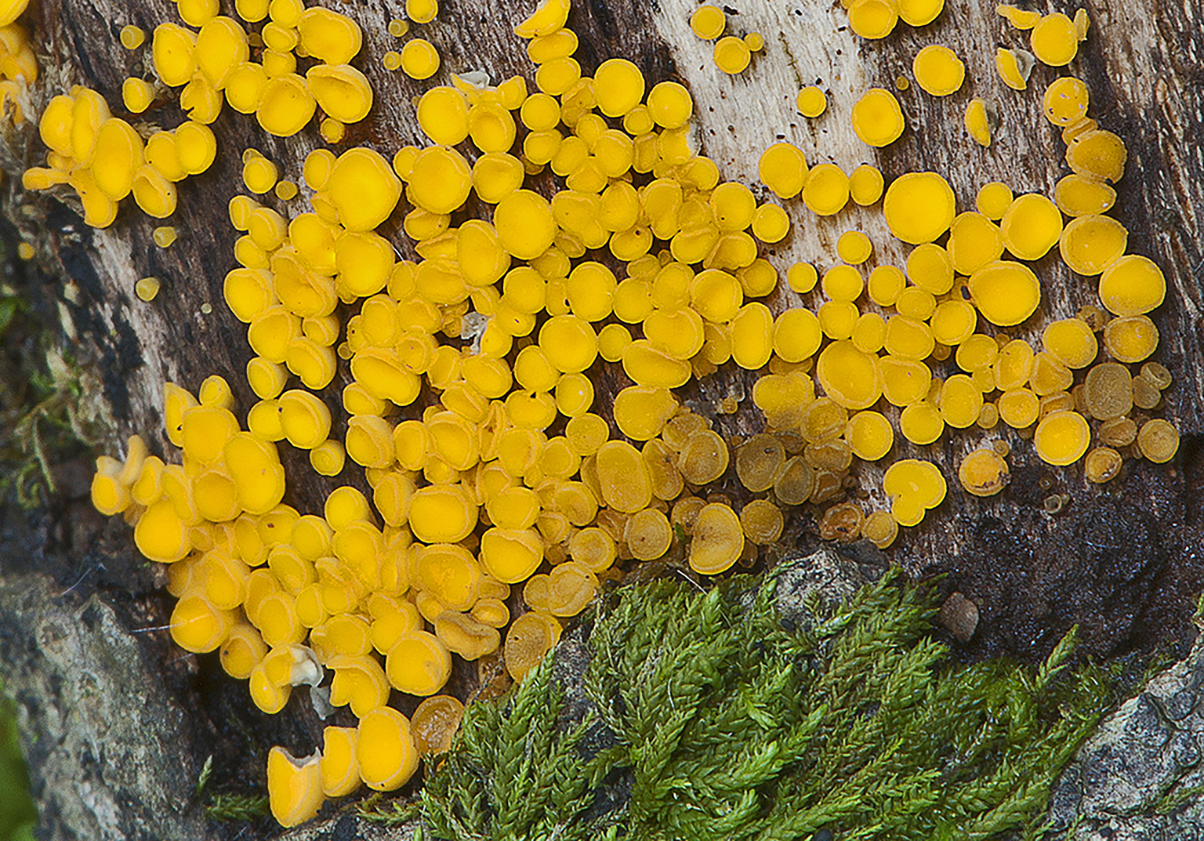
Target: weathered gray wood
{"points": [[1118, 559]]}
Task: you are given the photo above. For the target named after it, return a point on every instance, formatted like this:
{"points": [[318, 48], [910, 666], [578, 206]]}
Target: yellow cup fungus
{"points": [[1014, 67], [173, 51], [1091, 243], [826, 191], [877, 117], [1062, 438], [869, 435], [147, 288], [1132, 285], [131, 37], [783, 169], [1158, 440], [434, 723], [670, 105], [983, 472], [960, 401], [731, 55], [422, 11], [1097, 154], [717, 540], [1071, 341], [326, 35], [880, 528], [619, 85], [137, 95], [1031, 226], [418, 663], [1006, 293], [873, 19], [708, 22], [977, 120], [385, 750], [221, 46], [938, 70], [1079, 196], [994, 199], [920, 12], [1131, 339], [914, 486], [363, 189], [921, 422], [199, 626], [854, 247], [1049, 375], [338, 766], [294, 787], [811, 102], [286, 105], [849, 376], [1108, 391], [919, 207], [930, 268], [341, 91], [904, 381], [259, 174], [974, 242], [1055, 40], [528, 639], [1065, 101], [1102, 464], [1022, 19]]}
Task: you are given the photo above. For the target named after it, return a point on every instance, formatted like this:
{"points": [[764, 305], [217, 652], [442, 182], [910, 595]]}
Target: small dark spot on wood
{"points": [[730, 11]]}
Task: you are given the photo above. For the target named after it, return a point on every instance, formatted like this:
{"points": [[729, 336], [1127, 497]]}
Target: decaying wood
{"points": [[1117, 559]]}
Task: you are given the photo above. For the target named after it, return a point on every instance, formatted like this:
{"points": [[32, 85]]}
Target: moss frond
{"points": [[717, 723], [237, 807]]}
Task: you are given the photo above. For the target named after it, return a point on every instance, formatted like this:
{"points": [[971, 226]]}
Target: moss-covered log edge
{"points": [[705, 715]]}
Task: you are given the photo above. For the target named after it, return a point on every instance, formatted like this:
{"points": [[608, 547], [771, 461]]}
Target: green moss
{"points": [[709, 720], [17, 813], [236, 807], [42, 402]]}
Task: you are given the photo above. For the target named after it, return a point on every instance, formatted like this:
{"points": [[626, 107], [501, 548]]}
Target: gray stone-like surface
{"points": [[102, 735], [829, 576], [1139, 777]]}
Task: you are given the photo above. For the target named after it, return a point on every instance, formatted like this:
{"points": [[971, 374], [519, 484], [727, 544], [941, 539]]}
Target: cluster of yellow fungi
{"points": [[104, 158], [18, 64], [505, 475], [1054, 39], [418, 58], [875, 19], [878, 118], [732, 54]]}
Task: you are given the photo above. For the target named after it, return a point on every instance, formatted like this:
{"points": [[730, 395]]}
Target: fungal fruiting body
{"points": [[470, 370]]}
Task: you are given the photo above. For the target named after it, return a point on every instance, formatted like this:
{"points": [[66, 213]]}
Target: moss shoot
{"points": [[709, 716]]}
